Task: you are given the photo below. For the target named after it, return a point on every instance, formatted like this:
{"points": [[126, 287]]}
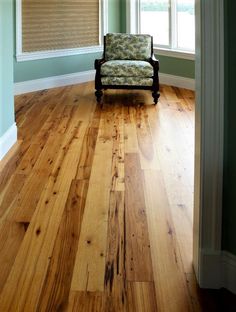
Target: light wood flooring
{"points": [[96, 204]]}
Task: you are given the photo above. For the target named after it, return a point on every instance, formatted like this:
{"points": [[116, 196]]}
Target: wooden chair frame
{"points": [[154, 88]]}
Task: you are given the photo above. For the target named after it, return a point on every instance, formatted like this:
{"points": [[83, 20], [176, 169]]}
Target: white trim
{"points": [[209, 135], [186, 55], [219, 270], [132, 16], [7, 140], [31, 56], [37, 55], [177, 81], [229, 271], [81, 77], [210, 269], [53, 82]]}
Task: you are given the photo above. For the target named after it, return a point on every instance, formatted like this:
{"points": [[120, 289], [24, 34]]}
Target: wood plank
{"points": [[166, 258], [9, 195], [178, 181], [11, 237], [55, 292], [89, 268], [115, 273], [8, 165], [31, 193], [147, 152], [29, 197], [131, 141], [29, 159], [88, 150], [118, 175], [115, 283], [83, 301], [138, 257], [25, 281], [141, 297]]}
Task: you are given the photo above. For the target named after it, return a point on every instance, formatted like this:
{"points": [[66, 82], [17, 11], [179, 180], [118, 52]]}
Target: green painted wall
{"points": [[123, 15], [6, 66], [30, 70], [114, 16], [176, 66], [229, 196]]}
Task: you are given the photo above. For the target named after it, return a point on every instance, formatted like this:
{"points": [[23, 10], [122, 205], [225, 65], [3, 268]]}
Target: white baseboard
{"points": [[229, 271], [219, 270], [53, 82], [7, 140], [177, 81], [74, 78], [210, 269]]}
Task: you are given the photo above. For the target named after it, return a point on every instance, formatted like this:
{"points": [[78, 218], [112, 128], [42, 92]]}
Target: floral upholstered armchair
{"points": [[128, 63]]}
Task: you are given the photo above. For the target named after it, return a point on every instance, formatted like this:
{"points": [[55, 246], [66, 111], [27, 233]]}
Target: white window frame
{"points": [[133, 26], [37, 55]]}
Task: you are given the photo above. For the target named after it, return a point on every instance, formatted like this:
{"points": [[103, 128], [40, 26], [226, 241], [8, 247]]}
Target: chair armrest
{"points": [[154, 62], [98, 63]]}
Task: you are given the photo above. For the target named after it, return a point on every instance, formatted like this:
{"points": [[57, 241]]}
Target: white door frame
{"points": [[209, 134], [209, 144]]}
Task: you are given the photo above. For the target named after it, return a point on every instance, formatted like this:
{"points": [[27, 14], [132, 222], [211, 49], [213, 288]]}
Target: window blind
{"points": [[59, 24]]}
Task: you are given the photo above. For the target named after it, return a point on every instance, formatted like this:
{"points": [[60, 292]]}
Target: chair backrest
{"points": [[127, 47]]}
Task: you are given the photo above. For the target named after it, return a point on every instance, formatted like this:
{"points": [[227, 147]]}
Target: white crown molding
{"points": [[7, 140]]}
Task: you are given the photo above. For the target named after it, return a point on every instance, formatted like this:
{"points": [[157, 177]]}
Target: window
{"points": [[170, 22], [48, 28]]}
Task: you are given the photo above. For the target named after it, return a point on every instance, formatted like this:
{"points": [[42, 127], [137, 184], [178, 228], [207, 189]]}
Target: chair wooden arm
{"points": [[98, 63], [98, 83], [154, 62]]}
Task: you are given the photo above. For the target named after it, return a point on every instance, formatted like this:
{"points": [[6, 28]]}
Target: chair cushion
{"points": [[127, 81], [127, 68], [127, 47]]}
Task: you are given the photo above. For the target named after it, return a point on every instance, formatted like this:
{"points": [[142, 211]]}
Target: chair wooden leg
{"points": [[155, 96], [99, 95]]}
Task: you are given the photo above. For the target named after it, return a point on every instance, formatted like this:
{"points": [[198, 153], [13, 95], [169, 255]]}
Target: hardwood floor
{"points": [[96, 204]]}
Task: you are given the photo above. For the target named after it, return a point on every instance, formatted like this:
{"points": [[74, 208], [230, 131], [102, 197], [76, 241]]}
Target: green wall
{"points": [[6, 66], [229, 195], [30, 70], [123, 15], [176, 66]]}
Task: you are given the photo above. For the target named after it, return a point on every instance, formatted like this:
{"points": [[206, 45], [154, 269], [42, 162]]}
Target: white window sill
{"points": [[31, 56], [175, 53]]}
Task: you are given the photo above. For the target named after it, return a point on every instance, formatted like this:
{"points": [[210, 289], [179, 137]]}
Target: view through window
{"points": [[170, 22]]}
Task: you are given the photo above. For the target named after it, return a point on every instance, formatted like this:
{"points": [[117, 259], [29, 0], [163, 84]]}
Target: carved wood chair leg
{"points": [[155, 96], [99, 95]]}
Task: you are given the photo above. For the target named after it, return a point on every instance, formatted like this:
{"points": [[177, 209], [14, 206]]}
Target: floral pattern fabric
{"points": [[127, 47], [127, 81], [126, 68]]}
